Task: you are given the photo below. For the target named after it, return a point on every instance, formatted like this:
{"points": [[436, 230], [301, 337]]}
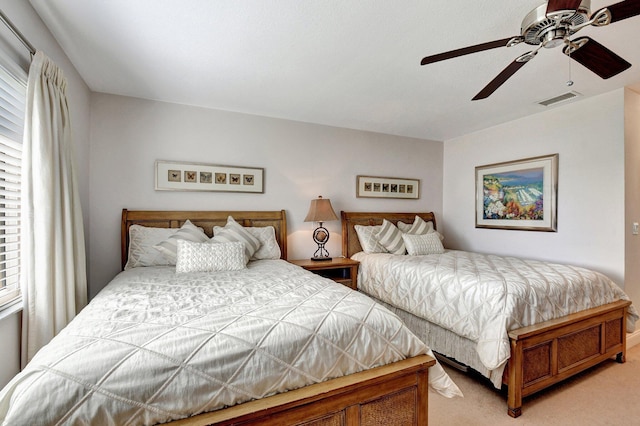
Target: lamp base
{"points": [[320, 259]]}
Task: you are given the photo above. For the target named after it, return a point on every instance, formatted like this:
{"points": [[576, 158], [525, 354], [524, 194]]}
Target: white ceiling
{"points": [[353, 64]]}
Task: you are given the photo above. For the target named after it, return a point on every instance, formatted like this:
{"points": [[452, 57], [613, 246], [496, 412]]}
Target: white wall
{"points": [[10, 335], [589, 137], [28, 22], [301, 161], [632, 192]]}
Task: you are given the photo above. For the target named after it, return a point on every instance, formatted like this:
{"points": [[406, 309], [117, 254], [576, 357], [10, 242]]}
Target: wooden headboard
{"points": [[350, 242], [204, 219]]}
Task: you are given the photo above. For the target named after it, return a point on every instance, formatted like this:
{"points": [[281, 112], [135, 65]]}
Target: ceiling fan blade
{"points": [[624, 9], [562, 7], [500, 79], [596, 57], [466, 50]]}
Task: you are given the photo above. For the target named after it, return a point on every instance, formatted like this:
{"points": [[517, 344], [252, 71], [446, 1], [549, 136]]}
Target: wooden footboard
{"points": [[392, 394], [549, 352], [543, 354]]}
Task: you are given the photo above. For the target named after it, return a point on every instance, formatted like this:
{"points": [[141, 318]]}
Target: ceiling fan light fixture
{"points": [[536, 25], [554, 38]]}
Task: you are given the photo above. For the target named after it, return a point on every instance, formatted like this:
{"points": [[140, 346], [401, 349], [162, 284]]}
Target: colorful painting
{"points": [[514, 195], [518, 194]]}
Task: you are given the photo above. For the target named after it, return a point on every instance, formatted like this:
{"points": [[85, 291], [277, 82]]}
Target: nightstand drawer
{"points": [[341, 270]]}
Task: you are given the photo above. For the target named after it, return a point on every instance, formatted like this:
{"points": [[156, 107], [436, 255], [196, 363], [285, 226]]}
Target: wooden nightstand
{"points": [[339, 269]]}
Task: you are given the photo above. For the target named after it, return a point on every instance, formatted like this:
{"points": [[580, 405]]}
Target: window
{"points": [[12, 105]]}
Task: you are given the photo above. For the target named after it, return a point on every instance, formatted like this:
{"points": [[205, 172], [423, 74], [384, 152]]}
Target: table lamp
{"points": [[320, 211]]}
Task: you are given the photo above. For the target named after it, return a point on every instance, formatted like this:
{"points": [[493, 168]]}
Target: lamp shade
{"points": [[320, 210]]}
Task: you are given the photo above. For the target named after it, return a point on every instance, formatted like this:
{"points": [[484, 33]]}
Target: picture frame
{"points": [[387, 187], [187, 176], [520, 195]]}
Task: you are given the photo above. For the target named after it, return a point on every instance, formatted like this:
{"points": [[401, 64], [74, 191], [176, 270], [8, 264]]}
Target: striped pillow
{"points": [[269, 248], [390, 238], [142, 240], [188, 232], [368, 237], [232, 232], [419, 227]]}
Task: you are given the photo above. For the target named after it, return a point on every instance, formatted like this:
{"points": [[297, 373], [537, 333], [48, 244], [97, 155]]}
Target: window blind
{"points": [[12, 105]]}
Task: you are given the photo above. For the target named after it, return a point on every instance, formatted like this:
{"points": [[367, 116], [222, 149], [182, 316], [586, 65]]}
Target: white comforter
{"points": [[482, 297], [155, 346]]}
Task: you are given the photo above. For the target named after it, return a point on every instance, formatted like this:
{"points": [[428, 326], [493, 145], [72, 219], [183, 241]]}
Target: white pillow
{"points": [[209, 257], [189, 232], [368, 237], [423, 244], [390, 238], [418, 227], [269, 248], [232, 232], [141, 242]]}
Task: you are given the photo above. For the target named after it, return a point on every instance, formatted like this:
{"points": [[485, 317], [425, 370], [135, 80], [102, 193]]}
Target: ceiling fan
{"points": [[550, 25]]}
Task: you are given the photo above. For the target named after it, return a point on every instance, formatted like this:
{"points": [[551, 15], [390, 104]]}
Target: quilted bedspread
{"points": [[482, 297], [155, 346]]}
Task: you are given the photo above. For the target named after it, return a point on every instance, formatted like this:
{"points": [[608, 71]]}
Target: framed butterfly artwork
{"points": [[181, 176]]}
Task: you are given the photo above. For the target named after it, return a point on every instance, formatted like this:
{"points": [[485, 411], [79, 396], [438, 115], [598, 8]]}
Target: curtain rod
{"points": [[17, 33]]}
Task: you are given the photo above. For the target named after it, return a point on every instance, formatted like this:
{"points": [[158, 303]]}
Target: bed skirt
{"points": [[447, 343]]}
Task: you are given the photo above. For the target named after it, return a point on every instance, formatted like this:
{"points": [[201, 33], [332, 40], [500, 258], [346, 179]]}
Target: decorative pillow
{"points": [[232, 232], [423, 244], [368, 237], [141, 242], [418, 227], [209, 257], [269, 248], [189, 232], [390, 238]]}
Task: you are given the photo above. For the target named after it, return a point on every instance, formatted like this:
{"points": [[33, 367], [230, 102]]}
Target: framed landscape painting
{"points": [[518, 194]]}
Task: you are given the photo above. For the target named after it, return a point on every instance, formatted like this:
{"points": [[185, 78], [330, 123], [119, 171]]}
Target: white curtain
{"points": [[53, 269]]}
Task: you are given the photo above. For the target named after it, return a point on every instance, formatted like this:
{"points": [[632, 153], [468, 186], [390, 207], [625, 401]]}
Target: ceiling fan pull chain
{"points": [[569, 82]]}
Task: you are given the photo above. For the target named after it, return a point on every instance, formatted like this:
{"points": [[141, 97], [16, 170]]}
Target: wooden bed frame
{"points": [[542, 354], [204, 219], [396, 393]]}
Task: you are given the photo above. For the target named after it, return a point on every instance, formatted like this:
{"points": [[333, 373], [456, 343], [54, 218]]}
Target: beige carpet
{"points": [[608, 394]]}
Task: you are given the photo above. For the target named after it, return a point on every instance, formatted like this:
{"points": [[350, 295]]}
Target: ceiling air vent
{"points": [[561, 98]]}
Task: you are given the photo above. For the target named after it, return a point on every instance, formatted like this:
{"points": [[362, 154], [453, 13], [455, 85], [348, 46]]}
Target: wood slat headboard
{"points": [[204, 219], [350, 242]]}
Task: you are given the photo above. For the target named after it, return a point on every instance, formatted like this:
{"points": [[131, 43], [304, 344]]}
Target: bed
{"points": [[527, 354], [270, 343]]}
